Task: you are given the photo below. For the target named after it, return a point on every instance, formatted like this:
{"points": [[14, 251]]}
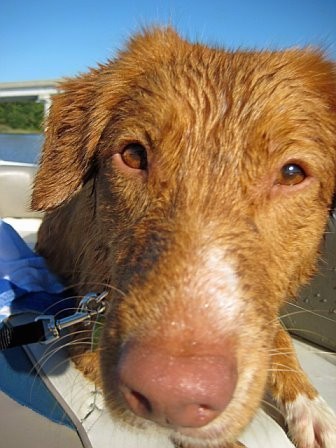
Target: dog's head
{"points": [[208, 177]]}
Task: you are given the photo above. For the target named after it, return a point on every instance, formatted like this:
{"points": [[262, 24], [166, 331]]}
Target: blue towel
{"points": [[25, 282]]}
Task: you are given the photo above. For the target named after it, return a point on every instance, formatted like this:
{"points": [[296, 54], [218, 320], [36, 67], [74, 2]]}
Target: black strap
{"points": [[13, 336]]}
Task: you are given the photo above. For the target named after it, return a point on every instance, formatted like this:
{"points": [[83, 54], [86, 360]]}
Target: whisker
{"points": [[284, 353], [58, 302], [312, 312], [93, 283], [54, 346], [304, 330], [271, 405], [291, 352], [39, 365], [282, 370]]}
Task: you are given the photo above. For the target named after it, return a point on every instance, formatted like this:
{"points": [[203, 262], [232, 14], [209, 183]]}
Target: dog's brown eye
{"points": [[134, 156], [291, 174]]}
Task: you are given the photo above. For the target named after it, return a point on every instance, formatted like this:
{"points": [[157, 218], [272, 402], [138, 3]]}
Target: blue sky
{"points": [[48, 39]]}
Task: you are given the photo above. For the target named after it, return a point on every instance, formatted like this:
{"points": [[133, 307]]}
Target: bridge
{"points": [[40, 91]]}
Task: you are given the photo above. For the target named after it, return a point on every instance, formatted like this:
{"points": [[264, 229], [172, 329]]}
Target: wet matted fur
{"points": [[194, 183]]}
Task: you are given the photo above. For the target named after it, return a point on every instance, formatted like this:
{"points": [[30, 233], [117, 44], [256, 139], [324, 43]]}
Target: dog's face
{"points": [[208, 177]]}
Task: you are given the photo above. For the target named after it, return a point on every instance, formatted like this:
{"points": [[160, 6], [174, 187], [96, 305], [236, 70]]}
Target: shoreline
{"points": [[20, 132]]}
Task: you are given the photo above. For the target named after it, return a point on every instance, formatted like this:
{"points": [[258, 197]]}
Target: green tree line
{"points": [[21, 117]]}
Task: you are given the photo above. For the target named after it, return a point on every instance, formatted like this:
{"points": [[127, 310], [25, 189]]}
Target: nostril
{"points": [[143, 401], [137, 402], [204, 410], [194, 415]]}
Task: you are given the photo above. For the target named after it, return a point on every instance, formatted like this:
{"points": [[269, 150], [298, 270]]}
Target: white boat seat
{"points": [[16, 182]]}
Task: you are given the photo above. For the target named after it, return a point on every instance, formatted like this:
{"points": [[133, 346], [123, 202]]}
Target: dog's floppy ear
{"points": [[70, 142], [66, 155]]}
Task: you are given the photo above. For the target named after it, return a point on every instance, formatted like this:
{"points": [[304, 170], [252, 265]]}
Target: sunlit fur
{"points": [[203, 247]]}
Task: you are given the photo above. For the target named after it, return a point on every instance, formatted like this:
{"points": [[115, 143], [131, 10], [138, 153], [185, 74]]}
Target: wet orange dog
{"points": [[196, 183]]}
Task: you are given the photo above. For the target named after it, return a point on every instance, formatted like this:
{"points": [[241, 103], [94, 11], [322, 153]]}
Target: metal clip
{"points": [[89, 307]]}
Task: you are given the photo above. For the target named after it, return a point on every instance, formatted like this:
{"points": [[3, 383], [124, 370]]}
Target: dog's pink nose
{"points": [[186, 391]]}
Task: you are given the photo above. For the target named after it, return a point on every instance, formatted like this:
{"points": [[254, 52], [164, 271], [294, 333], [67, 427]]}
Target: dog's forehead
{"points": [[213, 94], [209, 98]]}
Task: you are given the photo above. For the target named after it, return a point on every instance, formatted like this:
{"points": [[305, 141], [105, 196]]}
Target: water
{"points": [[21, 147]]}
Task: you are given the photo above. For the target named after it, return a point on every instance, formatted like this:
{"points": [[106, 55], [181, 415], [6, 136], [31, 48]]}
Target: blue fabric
{"points": [[25, 282], [27, 285]]}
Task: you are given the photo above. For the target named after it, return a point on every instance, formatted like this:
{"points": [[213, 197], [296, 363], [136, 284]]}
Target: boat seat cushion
{"points": [[16, 182]]}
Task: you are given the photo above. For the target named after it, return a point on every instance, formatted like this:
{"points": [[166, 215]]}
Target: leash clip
{"points": [[89, 307]]}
